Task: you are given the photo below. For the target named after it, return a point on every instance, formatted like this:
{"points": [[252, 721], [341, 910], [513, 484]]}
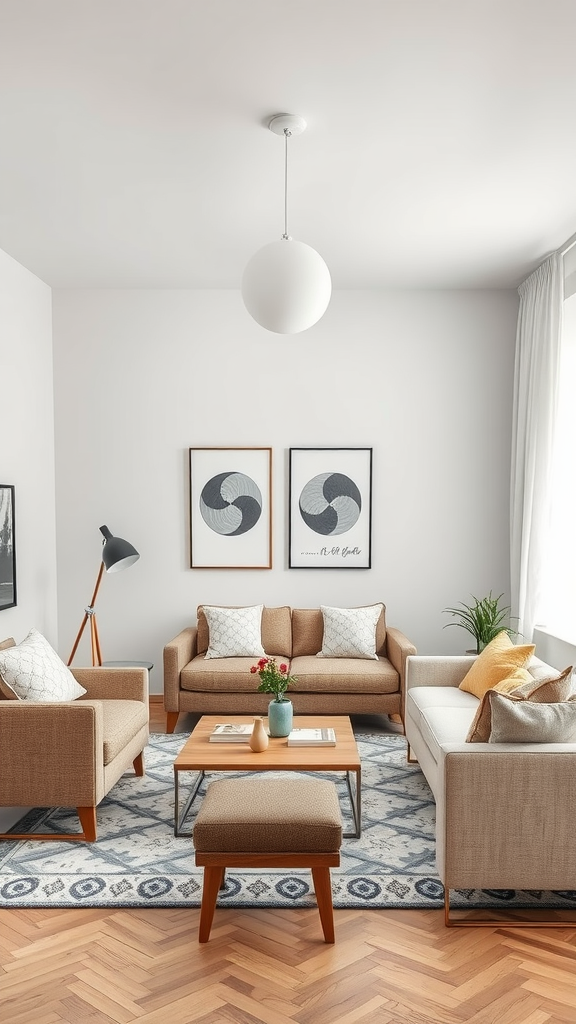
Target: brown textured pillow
{"points": [[548, 691], [479, 731]]}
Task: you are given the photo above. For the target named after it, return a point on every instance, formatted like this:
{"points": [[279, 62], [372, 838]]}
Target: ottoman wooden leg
{"points": [[323, 890], [213, 876]]}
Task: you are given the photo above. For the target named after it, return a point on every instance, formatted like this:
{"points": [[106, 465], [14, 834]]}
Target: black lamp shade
{"points": [[117, 554]]}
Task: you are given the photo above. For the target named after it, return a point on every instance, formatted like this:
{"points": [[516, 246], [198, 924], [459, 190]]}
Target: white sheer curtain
{"points": [[536, 370]]}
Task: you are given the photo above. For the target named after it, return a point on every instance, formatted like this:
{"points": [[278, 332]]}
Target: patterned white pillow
{"points": [[33, 671], [350, 632], [234, 632]]}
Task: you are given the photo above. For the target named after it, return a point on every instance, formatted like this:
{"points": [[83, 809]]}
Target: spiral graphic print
{"points": [[231, 504], [330, 504]]}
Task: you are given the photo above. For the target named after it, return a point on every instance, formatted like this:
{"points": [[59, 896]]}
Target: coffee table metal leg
{"points": [[355, 794], [179, 818]]}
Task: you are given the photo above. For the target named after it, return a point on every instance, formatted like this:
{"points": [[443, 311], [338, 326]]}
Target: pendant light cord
{"points": [[287, 134]]}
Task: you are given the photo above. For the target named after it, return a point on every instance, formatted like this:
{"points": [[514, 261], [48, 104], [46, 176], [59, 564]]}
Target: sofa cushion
{"points": [[276, 631], [425, 704], [234, 632], [308, 632], [228, 675], [343, 675], [350, 632], [498, 659], [442, 725], [32, 670], [121, 721], [522, 721]]}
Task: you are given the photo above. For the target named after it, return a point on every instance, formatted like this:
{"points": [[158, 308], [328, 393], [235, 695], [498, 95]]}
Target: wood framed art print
{"points": [[330, 508], [230, 508], [7, 547]]}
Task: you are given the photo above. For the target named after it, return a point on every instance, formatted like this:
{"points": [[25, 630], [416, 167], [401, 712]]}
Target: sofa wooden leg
{"points": [[409, 758], [138, 763], [498, 921], [171, 719]]}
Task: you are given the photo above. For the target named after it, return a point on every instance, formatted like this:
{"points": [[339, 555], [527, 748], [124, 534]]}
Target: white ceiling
{"points": [[440, 149]]}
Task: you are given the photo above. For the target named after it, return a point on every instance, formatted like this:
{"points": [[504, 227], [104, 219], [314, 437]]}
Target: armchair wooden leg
{"points": [[87, 817], [171, 719], [138, 763]]}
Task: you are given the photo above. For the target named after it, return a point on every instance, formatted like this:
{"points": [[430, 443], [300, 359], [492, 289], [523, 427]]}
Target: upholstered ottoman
{"points": [[268, 822]]}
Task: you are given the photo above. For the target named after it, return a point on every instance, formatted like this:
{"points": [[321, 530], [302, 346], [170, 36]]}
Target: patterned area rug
{"points": [[138, 862]]}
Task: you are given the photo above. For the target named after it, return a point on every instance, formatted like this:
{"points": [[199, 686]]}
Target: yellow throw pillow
{"points": [[495, 663]]}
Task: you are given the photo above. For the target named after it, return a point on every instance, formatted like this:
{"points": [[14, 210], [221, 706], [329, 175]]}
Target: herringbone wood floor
{"points": [[402, 967]]}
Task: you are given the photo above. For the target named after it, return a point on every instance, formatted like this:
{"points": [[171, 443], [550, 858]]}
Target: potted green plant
{"points": [[276, 679], [484, 619]]}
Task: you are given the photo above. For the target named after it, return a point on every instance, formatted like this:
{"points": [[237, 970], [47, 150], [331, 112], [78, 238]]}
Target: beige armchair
{"points": [[71, 753]]}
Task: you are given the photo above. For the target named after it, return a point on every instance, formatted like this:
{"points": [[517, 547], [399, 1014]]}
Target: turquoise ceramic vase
{"points": [[280, 714]]}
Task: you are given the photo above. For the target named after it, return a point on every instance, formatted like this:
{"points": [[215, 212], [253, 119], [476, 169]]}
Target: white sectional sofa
{"points": [[504, 812]]}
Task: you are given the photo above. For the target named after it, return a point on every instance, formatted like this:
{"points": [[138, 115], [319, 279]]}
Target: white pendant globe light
{"points": [[286, 286]]}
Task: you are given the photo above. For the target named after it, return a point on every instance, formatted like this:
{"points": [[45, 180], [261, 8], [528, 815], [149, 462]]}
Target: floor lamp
{"points": [[117, 554]]}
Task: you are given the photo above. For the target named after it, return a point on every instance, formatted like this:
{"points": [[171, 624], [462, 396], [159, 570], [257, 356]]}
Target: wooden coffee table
{"points": [[201, 756]]}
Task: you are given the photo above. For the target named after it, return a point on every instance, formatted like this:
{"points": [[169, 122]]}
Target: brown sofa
{"points": [[294, 635]]}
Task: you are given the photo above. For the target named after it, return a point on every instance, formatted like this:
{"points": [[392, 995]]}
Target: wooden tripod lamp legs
{"points": [[90, 614]]}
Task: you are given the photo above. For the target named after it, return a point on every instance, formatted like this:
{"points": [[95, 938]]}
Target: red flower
{"points": [[253, 668], [262, 662], [283, 668]]}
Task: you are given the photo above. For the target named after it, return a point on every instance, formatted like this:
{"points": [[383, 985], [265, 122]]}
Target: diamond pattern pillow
{"points": [[350, 632], [234, 632], [33, 671]]}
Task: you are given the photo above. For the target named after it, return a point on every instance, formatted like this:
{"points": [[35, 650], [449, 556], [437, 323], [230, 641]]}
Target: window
{"points": [[559, 605]]}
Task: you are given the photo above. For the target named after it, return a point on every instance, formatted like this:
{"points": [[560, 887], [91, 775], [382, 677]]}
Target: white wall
{"points": [[27, 446], [27, 454], [425, 378]]}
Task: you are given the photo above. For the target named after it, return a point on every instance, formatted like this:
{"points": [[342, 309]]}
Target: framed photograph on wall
{"points": [[330, 508], [7, 548], [230, 508]]}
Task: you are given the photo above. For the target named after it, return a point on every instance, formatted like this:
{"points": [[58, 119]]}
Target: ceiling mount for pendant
{"points": [[282, 123], [286, 286]]}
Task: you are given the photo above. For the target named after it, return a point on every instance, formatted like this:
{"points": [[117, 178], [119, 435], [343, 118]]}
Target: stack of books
{"points": [[312, 738], [229, 733]]}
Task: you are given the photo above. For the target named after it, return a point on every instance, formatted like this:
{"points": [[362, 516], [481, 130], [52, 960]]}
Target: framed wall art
{"points": [[230, 508], [330, 508], [7, 548]]}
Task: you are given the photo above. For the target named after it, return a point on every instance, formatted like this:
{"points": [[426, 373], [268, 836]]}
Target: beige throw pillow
{"points": [[522, 721]]}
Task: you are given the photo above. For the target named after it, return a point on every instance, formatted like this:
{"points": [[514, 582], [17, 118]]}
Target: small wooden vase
{"points": [[258, 736]]}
